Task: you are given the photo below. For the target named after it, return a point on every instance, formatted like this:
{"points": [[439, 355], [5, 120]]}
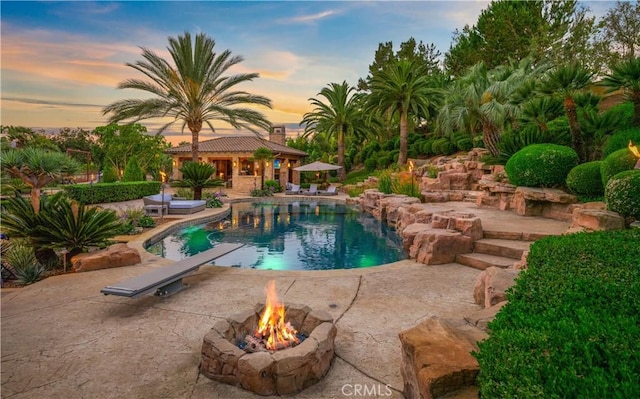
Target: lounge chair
{"points": [[313, 190], [295, 189], [175, 207], [332, 190]]}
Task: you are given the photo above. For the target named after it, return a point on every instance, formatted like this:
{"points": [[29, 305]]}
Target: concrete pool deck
{"points": [[61, 338]]}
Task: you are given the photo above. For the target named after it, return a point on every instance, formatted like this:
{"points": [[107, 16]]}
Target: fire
{"points": [[272, 326], [634, 149]]}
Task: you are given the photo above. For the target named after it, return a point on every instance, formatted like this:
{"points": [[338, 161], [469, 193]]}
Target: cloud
{"points": [[34, 101], [310, 18]]}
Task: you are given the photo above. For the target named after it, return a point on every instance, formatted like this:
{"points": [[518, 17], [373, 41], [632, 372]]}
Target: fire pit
{"points": [[262, 351]]}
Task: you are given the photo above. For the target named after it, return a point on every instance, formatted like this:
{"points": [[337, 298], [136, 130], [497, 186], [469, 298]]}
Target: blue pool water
{"points": [[290, 235]]}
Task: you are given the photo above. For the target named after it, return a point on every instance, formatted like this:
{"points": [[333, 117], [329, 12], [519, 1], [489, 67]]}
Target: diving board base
{"points": [[165, 281]]}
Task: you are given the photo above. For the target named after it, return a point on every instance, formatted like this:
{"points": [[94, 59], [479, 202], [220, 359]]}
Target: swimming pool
{"points": [[289, 235]]}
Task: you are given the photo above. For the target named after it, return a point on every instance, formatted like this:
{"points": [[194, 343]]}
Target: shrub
{"points": [[570, 326], [621, 140], [261, 193], [384, 161], [133, 171], [370, 164], [146, 222], [110, 174], [541, 165], [186, 193], [354, 191], [622, 194], [213, 200], [585, 179], [111, 192], [384, 183], [272, 185], [618, 161], [23, 260], [443, 146], [60, 224]]}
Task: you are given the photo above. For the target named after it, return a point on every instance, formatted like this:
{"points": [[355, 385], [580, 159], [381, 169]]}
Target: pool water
{"points": [[289, 235]]}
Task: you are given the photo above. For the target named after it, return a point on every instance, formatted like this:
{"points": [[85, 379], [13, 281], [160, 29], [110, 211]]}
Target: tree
{"points": [[509, 31], [23, 137], [426, 55], [262, 155], [197, 175], [339, 115], [486, 101], [116, 144], [37, 168], [404, 89], [194, 90], [567, 82], [621, 30], [133, 172], [625, 76]]}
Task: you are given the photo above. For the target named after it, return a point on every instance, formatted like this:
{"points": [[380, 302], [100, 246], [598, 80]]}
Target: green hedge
{"points": [[570, 328], [112, 192], [620, 140], [541, 165], [616, 162], [622, 194], [585, 179]]}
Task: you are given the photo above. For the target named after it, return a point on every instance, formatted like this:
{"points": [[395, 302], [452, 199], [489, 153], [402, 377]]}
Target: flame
{"points": [[272, 326], [163, 177], [634, 149]]}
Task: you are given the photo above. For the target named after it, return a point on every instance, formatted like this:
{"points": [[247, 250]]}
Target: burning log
{"points": [[254, 344]]}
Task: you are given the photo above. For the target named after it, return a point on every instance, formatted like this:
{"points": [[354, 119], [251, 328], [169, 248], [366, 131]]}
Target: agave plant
{"points": [[23, 260], [60, 223]]}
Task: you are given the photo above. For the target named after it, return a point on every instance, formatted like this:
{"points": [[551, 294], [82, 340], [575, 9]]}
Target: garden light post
{"points": [[91, 185], [162, 206], [634, 150], [411, 166], [64, 253]]}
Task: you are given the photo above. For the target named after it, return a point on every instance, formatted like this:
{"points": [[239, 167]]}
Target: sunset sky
{"points": [[61, 61]]}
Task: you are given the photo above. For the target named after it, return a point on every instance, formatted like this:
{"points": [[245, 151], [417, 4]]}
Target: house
{"points": [[232, 158]]}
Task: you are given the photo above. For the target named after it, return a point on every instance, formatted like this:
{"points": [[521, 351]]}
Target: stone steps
{"points": [[496, 252], [482, 261], [500, 247]]}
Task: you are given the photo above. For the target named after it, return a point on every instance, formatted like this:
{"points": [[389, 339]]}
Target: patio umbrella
{"points": [[317, 167]]}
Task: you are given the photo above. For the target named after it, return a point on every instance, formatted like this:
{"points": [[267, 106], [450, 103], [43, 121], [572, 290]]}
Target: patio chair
{"points": [[295, 189], [332, 190], [313, 190]]}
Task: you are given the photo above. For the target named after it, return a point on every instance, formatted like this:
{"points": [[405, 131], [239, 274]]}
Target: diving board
{"points": [[167, 280]]}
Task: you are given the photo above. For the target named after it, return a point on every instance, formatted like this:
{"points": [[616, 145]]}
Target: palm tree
{"points": [[568, 82], [262, 155], [37, 168], [194, 91], [626, 76], [405, 89], [340, 115], [197, 175], [486, 101]]}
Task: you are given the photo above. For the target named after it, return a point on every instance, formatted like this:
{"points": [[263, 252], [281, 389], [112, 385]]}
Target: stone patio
{"points": [[62, 339]]}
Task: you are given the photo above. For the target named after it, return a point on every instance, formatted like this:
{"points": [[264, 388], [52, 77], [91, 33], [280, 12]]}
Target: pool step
{"points": [[489, 252]]}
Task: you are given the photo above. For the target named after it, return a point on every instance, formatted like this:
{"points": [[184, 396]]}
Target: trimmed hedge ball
{"points": [[541, 165], [616, 162], [585, 179], [622, 194]]}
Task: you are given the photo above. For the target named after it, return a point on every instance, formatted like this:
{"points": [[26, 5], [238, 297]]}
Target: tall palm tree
{"points": [[405, 89], [194, 90], [37, 168], [626, 76], [567, 82], [262, 155], [340, 115]]}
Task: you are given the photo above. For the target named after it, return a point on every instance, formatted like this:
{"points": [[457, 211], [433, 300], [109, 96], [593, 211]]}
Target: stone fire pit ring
{"points": [[283, 372]]}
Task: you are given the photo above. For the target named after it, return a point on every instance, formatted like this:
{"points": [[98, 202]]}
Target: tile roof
{"points": [[242, 144]]}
